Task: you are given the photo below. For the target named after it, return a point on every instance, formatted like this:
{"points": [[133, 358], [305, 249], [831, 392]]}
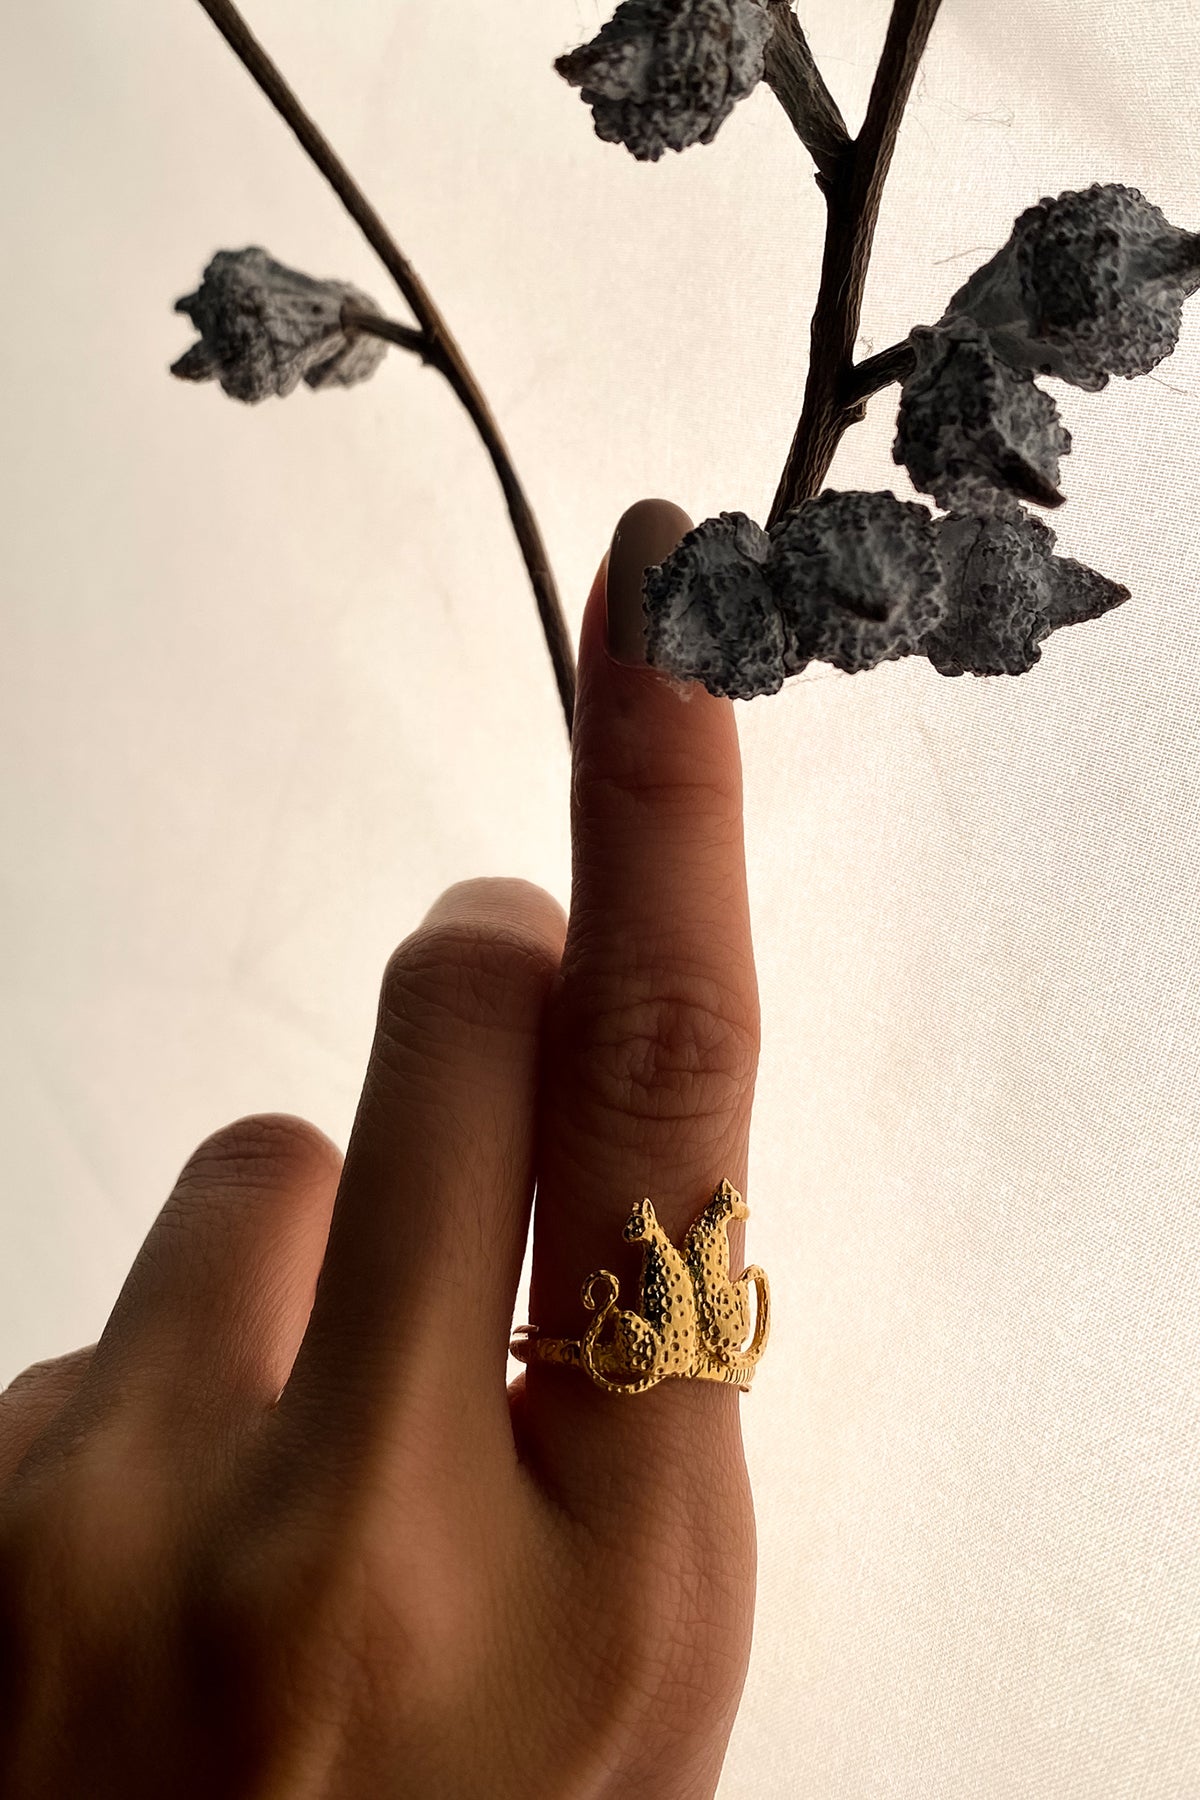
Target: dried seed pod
{"points": [[972, 431], [857, 579], [1007, 592], [1089, 285], [663, 74], [710, 615], [264, 328]]}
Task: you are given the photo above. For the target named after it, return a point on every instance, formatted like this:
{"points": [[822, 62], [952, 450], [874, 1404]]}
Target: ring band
{"points": [[692, 1319]]}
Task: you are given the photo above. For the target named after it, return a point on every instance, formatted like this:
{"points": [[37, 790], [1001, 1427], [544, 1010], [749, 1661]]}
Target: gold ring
{"points": [[692, 1320]]}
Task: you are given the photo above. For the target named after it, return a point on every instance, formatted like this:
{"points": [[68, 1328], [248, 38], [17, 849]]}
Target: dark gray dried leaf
{"points": [[264, 328], [1007, 592], [1088, 285], [664, 74], [710, 615], [972, 431], [857, 579]]}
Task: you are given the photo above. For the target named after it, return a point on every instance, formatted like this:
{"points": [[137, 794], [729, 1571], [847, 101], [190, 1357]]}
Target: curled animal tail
{"points": [[637, 1384], [762, 1323], [528, 1345], [589, 1297], [746, 1359]]}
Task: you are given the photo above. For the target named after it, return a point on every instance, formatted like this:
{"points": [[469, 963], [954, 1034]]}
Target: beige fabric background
{"points": [[272, 679]]}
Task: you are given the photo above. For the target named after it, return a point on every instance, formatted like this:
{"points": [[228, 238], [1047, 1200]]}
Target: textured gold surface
{"points": [[692, 1320]]}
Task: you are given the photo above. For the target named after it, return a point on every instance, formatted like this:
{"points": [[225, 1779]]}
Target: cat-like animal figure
{"points": [[693, 1319]]}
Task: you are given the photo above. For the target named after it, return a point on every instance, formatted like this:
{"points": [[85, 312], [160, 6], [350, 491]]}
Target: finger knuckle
{"points": [[686, 1050], [261, 1150], [620, 784], [38, 1391]]}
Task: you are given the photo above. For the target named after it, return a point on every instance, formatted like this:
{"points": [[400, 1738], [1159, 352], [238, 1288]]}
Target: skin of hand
{"points": [[285, 1532]]}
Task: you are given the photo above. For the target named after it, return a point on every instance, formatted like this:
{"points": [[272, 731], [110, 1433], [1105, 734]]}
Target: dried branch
{"points": [[406, 336], [445, 352], [852, 197], [793, 75], [868, 377]]}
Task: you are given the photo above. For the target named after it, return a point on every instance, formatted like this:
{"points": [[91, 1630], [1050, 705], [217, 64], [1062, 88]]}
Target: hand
{"points": [[293, 1537]]}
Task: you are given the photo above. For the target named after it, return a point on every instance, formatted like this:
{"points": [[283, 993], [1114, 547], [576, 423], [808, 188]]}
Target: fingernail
{"points": [[646, 534]]}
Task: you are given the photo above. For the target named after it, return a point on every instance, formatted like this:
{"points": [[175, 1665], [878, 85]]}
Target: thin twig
{"points": [[448, 356], [852, 199], [406, 336], [878, 371], [791, 72]]}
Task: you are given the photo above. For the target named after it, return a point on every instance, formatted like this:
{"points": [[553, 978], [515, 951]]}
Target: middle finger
{"points": [[650, 1041]]}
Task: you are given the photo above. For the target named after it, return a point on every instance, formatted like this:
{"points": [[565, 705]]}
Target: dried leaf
{"points": [[1088, 285], [664, 74], [710, 615], [264, 328], [856, 577], [972, 431], [1006, 593]]}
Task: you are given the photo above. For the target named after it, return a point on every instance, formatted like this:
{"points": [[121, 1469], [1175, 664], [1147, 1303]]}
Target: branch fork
{"points": [[849, 172], [1087, 286]]}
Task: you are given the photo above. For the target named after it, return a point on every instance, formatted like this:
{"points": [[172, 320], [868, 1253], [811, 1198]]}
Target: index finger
{"points": [[651, 1030]]}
